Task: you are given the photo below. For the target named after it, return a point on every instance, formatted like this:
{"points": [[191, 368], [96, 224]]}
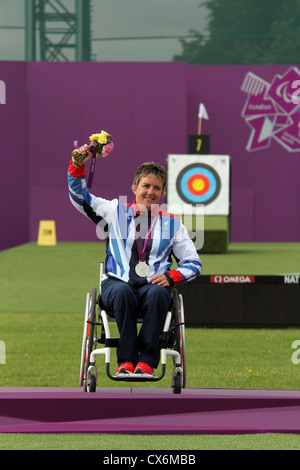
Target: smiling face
{"points": [[148, 192]]}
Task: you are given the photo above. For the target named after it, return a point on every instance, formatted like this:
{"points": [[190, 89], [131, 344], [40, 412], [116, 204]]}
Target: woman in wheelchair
{"points": [[140, 238]]}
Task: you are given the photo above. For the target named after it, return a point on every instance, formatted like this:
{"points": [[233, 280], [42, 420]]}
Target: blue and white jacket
{"points": [[118, 220]]}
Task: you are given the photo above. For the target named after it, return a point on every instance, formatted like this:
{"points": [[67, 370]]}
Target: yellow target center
{"points": [[198, 184]]}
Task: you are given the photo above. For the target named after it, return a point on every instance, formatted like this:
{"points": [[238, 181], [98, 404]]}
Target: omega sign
{"points": [[232, 279]]}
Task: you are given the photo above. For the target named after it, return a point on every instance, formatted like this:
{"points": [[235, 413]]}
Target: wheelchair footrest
{"points": [[132, 376]]}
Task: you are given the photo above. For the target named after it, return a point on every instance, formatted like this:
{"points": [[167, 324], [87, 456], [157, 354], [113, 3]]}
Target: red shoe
{"points": [[144, 368], [125, 368]]}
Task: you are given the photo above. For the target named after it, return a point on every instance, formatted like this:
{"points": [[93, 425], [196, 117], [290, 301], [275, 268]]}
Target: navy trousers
{"points": [[125, 301]]}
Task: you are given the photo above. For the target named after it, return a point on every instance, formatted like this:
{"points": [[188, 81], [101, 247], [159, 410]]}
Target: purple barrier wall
{"points": [[150, 109], [14, 193]]}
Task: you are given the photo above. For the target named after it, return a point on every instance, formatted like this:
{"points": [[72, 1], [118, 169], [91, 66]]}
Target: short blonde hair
{"points": [[150, 168]]}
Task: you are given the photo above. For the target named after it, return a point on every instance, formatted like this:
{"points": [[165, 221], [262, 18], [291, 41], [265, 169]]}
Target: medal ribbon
{"points": [[140, 247]]}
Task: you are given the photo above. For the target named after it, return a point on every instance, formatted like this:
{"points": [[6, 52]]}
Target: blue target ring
{"points": [[198, 184]]}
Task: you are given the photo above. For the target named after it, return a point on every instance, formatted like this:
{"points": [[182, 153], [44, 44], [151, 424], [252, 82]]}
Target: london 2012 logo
{"points": [[272, 110]]}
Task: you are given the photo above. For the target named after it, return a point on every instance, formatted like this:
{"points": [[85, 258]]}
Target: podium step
{"points": [[149, 411]]}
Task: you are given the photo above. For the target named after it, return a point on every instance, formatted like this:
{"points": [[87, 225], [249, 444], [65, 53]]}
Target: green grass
{"points": [[150, 443], [42, 292], [43, 350], [254, 258], [40, 279]]}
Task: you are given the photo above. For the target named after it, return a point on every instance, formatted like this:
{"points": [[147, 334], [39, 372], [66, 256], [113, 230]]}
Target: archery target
{"points": [[198, 184], [195, 180]]}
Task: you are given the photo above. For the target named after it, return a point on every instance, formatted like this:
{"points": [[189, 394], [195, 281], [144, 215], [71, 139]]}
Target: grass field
{"points": [[42, 295]]}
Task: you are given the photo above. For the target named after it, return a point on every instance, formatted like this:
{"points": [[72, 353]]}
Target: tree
{"points": [[246, 32]]}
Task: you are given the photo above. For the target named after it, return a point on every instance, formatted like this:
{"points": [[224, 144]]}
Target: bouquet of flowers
{"points": [[101, 145]]}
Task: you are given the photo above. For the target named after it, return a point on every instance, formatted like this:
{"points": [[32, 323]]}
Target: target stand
{"points": [[199, 190]]}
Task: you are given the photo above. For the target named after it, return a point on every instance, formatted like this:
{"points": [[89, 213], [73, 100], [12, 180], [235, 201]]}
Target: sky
{"points": [[116, 19]]}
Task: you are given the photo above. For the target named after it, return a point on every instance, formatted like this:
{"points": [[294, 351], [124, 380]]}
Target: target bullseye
{"points": [[198, 184]]}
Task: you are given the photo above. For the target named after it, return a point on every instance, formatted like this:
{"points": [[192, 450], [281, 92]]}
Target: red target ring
{"points": [[198, 184]]}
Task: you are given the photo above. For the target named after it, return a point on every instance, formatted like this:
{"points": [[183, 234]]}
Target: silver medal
{"points": [[142, 269]]}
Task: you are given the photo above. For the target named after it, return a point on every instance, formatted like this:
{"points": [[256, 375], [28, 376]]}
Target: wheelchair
{"points": [[97, 341]]}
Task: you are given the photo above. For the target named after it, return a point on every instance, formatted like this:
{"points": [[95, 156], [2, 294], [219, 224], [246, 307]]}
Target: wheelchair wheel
{"points": [[177, 384], [180, 333], [89, 333]]}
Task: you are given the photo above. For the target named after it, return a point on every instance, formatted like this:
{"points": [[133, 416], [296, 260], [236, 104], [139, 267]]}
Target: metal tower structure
{"points": [[54, 32]]}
